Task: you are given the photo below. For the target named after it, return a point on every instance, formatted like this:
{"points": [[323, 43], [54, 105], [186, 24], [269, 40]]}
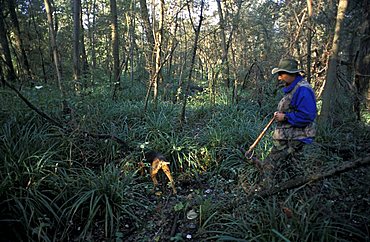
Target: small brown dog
{"points": [[157, 162]]}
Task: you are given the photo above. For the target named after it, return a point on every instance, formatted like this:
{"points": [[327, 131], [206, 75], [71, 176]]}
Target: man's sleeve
{"points": [[304, 108]]}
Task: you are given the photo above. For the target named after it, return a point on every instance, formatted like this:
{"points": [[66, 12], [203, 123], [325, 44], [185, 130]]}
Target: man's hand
{"points": [[279, 116]]}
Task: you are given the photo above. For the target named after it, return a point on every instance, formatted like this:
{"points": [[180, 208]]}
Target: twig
{"points": [[174, 225]]}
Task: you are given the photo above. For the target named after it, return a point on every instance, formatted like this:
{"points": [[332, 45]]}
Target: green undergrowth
{"points": [[76, 182]]}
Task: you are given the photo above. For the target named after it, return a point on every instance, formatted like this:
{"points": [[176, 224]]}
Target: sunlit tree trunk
{"points": [[115, 44], [6, 59], [91, 33], [174, 42], [84, 62], [182, 68], [157, 62], [152, 51], [309, 39], [147, 25], [224, 57], [235, 26], [158, 51], [331, 108]]}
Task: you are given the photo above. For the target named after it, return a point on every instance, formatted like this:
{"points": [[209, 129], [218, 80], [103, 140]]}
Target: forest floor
{"points": [[178, 217], [203, 197], [167, 224]]}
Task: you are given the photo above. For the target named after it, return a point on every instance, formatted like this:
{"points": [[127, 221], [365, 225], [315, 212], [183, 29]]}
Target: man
{"points": [[295, 117]]}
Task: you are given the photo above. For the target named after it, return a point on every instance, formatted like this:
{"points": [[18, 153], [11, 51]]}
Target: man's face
{"points": [[285, 77]]}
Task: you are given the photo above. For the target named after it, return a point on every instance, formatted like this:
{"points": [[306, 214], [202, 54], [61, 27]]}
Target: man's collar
{"points": [[294, 83]]}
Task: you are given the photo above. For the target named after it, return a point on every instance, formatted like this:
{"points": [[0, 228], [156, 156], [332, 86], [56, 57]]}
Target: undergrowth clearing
{"points": [[63, 184]]}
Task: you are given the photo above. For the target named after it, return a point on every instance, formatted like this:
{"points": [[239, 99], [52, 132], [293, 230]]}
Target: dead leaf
{"points": [[288, 212]]}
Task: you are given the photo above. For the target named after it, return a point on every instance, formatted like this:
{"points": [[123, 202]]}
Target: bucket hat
{"points": [[287, 65]]}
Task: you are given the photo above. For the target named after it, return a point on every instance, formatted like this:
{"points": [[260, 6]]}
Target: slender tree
{"points": [[309, 39], [39, 41], [146, 23], [158, 53], [173, 42], [76, 39], [132, 41], [224, 57], [53, 43], [2, 78], [84, 62], [115, 43], [235, 25], [154, 54], [91, 34], [194, 53]]}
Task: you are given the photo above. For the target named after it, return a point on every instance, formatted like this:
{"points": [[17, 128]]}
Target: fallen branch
{"points": [[303, 180], [106, 136], [33, 107], [298, 182], [58, 124]]}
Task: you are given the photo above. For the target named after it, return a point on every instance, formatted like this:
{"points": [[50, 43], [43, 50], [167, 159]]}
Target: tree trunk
{"points": [[76, 41], [224, 57], [147, 25], [132, 44], [330, 106], [84, 62], [151, 64], [39, 41], [158, 51], [4, 48], [195, 47], [182, 67], [18, 39], [53, 43], [309, 39], [174, 42], [92, 37], [362, 76], [115, 44], [2, 78], [235, 26]]}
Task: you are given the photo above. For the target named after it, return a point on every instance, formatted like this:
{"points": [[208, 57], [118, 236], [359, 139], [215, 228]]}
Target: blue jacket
{"points": [[304, 105]]}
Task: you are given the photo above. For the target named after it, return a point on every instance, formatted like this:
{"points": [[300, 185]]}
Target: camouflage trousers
{"points": [[284, 160]]}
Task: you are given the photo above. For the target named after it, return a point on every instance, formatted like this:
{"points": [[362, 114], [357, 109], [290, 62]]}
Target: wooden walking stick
{"points": [[247, 154]]}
